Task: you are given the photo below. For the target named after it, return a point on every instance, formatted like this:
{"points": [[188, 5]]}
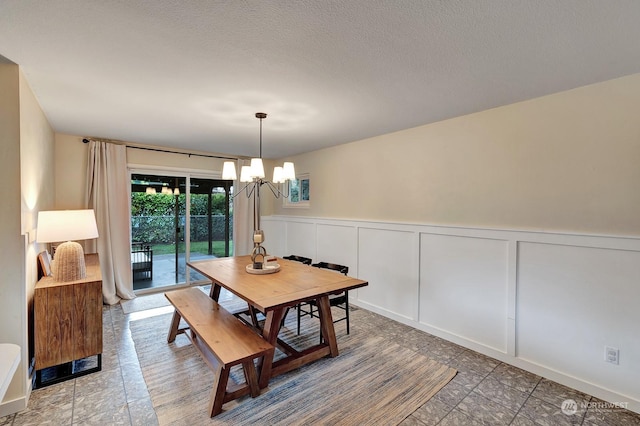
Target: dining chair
{"points": [[253, 313], [301, 259], [340, 300], [304, 261]]}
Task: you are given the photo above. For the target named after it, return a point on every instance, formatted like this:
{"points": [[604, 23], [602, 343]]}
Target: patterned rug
{"points": [[371, 382]]}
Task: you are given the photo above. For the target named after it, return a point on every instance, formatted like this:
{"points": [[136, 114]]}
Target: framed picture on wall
{"points": [[299, 192]]}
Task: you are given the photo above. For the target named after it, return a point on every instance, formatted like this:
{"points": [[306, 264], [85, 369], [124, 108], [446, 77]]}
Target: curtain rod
{"points": [[85, 140]]}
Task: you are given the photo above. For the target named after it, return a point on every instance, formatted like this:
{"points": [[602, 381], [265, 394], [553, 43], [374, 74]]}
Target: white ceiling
{"points": [[191, 74]]}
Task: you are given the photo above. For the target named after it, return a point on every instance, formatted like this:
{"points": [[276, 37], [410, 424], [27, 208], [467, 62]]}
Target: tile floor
{"points": [[484, 392]]}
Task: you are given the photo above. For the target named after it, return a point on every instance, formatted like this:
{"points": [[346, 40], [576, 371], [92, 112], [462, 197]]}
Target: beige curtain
{"points": [[108, 195], [242, 218]]}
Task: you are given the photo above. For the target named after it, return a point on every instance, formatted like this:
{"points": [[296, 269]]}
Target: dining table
{"points": [[273, 294]]}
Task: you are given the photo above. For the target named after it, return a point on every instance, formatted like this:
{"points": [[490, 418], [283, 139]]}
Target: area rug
{"points": [[371, 382], [156, 300], [143, 303]]}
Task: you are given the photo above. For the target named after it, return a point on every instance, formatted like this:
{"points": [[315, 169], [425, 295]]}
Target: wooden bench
{"points": [[223, 341]]}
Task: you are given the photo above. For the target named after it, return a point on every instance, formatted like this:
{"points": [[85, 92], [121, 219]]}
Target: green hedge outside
{"points": [[158, 229]]}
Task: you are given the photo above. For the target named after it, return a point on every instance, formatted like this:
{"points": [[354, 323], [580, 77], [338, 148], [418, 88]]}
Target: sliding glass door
{"points": [[174, 219], [210, 221]]}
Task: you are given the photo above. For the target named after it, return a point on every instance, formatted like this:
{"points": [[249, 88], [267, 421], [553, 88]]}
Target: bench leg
{"points": [[173, 329], [221, 377], [264, 367], [251, 377]]}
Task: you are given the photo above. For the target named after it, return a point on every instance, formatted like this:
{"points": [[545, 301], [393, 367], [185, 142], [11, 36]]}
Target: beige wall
{"points": [[70, 171], [26, 164], [37, 183], [564, 162], [12, 291], [178, 161], [38, 189], [36, 170]]}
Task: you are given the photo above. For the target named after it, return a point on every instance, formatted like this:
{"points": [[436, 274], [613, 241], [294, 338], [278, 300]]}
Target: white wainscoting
{"points": [[572, 302], [390, 258], [464, 287], [545, 302]]}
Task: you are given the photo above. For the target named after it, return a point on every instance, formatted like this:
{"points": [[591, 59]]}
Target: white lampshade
{"points": [[245, 174], [278, 174], [257, 168], [289, 172], [66, 225], [150, 190], [176, 191], [229, 171]]}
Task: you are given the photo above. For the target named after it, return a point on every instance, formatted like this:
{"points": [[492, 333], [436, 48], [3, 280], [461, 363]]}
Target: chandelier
{"points": [[254, 177]]}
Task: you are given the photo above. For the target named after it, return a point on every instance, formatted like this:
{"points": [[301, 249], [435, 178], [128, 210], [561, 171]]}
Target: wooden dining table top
{"points": [[294, 283]]}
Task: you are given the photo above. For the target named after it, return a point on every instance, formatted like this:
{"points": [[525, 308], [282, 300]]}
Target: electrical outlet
{"points": [[612, 355]]}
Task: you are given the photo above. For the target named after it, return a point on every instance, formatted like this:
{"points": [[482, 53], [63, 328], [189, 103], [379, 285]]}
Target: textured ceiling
{"points": [[191, 74]]}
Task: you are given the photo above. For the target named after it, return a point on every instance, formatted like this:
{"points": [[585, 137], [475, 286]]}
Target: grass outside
{"points": [[196, 247]]}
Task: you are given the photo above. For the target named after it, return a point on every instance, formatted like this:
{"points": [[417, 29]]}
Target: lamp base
{"points": [[258, 253], [69, 264]]}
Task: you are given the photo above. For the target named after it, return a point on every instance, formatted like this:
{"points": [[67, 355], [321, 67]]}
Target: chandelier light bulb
{"points": [[278, 175], [245, 174], [229, 171], [257, 168], [289, 171]]}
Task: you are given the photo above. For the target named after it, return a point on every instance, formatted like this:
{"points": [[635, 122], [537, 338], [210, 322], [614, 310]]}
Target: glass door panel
{"points": [[158, 220], [210, 221]]}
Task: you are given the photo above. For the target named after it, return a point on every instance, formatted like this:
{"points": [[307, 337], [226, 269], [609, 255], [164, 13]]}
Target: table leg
{"points": [[326, 324], [270, 334], [173, 328]]}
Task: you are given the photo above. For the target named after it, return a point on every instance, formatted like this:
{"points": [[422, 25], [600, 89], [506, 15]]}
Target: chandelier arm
{"points": [[281, 193], [274, 190], [250, 190], [240, 192], [287, 183], [284, 194]]}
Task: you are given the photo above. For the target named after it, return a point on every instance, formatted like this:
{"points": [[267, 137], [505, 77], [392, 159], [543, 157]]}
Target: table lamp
{"points": [[67, 225]]}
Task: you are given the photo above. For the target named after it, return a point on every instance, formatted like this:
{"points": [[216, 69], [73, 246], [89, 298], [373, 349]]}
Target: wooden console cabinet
{"points": [[68, 320]]}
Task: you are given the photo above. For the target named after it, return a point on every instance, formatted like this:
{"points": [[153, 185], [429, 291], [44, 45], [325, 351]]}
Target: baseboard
{"points": [[11, 407], [14, 406]]}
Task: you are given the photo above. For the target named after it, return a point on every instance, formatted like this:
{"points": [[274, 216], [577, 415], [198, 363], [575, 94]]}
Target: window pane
{"points": [[295, 191]]}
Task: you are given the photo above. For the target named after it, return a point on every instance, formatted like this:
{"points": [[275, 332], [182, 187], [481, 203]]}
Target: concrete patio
{"points": [[164, 271]]}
